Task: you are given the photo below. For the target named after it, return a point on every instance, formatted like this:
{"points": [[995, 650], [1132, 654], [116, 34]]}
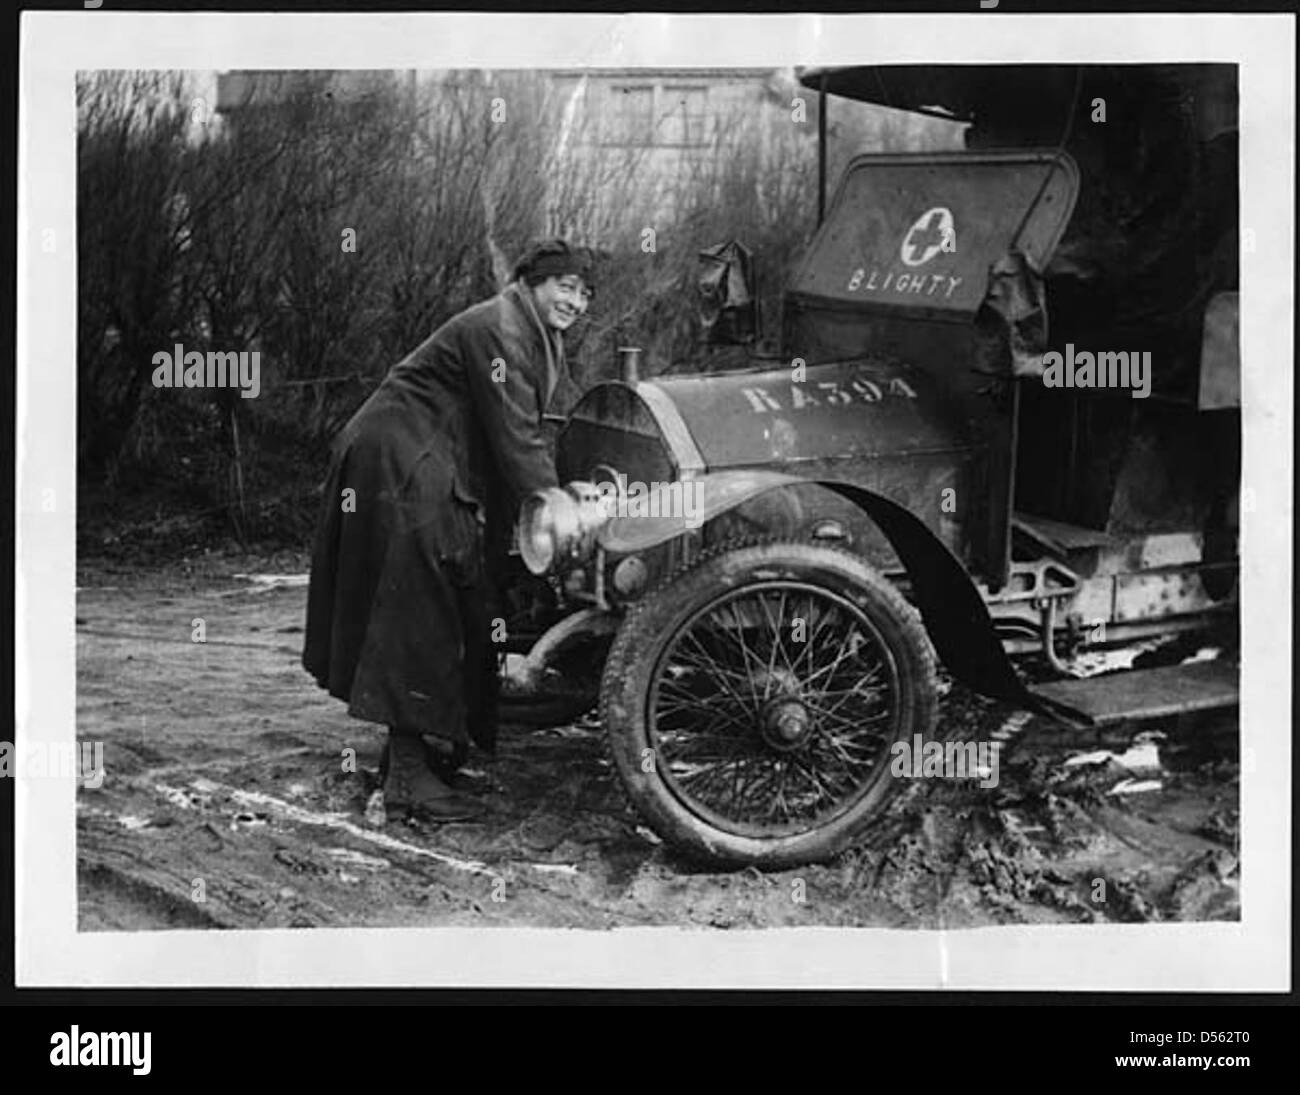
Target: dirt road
{"points": [[228, 801]]}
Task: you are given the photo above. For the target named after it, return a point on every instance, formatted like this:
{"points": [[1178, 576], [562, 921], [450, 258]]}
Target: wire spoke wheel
{"points": [[751, 702], [772, 709]]}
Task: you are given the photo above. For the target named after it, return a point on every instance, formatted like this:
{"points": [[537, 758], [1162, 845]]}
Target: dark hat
{"points": [[554, 258]]}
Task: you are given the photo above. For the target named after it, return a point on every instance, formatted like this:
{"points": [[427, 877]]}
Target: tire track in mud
{"points": [[228, 837], [301, 815], [1052, 842]]}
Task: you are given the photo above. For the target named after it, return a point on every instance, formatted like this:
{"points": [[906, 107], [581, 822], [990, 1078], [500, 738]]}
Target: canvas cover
{"points": [[1153, 236], [921, 232]]}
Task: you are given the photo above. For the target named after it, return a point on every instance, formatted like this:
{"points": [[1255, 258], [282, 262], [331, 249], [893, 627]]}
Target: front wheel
{"points": [[751, 701]]}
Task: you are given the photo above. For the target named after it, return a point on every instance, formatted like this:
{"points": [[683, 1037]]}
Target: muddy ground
{"points": [[226, 803]]}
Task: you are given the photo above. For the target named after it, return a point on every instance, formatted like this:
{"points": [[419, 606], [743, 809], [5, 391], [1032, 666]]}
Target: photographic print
{"points": [[799, 500]]}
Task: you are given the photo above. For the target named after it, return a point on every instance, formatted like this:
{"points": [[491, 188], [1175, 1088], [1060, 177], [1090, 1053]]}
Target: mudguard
{"points": [[954, 613]]}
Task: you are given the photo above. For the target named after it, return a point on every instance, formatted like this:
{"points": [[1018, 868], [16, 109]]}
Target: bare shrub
{"points": [[131, 287]]}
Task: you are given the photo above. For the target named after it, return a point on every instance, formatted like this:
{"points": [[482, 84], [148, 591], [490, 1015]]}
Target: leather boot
{"points": [[445, 760], [412, 789]]}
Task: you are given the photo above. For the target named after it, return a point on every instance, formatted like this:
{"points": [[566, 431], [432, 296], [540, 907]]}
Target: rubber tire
{"points": [[644, 635]]}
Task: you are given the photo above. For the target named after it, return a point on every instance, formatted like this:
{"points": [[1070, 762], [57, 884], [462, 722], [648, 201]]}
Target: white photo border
{"points": [[1250, 955]]}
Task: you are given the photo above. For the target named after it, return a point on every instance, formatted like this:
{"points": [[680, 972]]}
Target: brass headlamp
{"points": [[558, 526]]}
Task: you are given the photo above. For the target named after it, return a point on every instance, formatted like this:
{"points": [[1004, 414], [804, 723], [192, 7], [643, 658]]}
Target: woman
{"points": [[424, 480]]}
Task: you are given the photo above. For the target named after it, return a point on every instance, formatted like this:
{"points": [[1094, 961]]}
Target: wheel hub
{"points": [[786, 724]]}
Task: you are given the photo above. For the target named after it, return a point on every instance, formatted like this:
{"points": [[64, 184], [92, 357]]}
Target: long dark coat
{"points": [[432, 465]]}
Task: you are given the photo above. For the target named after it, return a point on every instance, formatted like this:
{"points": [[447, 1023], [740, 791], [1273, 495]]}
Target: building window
{"points": [[631, 117], [684, 116], [657, 114]]}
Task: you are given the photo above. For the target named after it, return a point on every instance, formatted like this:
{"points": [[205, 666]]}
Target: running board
{"points": [[1143, 693]]}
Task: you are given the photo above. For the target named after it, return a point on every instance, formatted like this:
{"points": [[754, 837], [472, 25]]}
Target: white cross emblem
{"points": [[928, 236]]}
